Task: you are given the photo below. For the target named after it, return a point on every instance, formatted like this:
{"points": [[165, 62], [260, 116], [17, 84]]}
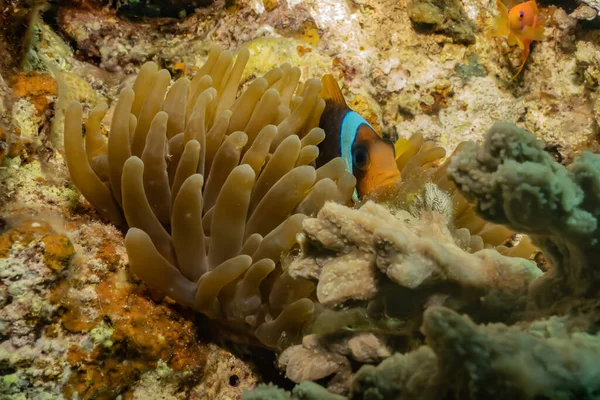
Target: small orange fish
{"points": [[368, 156], [523, 23]]}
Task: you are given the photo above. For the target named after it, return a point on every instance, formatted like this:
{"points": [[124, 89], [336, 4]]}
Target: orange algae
{"points": [[37, 88], [270, 5], [106, 254], [440, 100], [303, 50], [142, 332], [101, 381], [181, 69], [58, 249]]}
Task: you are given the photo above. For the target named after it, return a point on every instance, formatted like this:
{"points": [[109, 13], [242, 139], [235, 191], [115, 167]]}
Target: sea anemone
{"points": [[212, 188], [420, 163]]}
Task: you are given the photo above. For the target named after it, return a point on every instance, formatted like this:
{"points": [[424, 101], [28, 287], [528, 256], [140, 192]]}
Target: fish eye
{"points": [[360, 157], [521, 14]]}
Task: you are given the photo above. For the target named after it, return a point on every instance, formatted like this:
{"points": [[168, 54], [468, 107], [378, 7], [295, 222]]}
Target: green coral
{"points": [[303, 391], [500, 362], [266, 392], [515, 182], [401, 376]]}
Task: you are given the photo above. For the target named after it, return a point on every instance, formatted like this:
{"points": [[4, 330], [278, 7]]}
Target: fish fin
{"points": [[534, 8], [534, 33], [331, 91], [513, 40], [499, 27], [502, 9], [538, 28]]}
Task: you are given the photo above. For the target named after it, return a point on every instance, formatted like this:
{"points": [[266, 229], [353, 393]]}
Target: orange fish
{"points": [[368, 156], [523, 24]]}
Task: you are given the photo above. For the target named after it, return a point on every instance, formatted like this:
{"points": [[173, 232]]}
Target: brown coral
{"points": [[213, 189], [376, 271]]}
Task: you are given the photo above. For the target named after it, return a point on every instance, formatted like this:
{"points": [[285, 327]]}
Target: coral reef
{"points": [[424, 185], [304, 391], [411, 252], [81, 330], [466, 361], [463, 360], [405, 79], [73, 321]]}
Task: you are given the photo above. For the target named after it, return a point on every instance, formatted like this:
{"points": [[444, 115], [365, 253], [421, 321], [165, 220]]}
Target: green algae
{"points": [[471, 69], [102, 334]]}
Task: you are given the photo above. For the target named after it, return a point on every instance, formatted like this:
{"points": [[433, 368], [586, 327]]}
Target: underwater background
{"points": [[302, 199]]}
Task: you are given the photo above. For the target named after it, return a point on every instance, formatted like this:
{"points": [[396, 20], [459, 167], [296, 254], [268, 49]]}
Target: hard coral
{"points": [[513, 181], [402, 376], [213, 189], [478, 362], [344, 249], [376, 272]]}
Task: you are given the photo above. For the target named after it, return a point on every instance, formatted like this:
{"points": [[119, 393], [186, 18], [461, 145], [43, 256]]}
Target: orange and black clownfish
{"points": [[368, 156]]}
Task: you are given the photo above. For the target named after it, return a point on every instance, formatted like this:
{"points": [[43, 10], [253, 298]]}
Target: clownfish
{"points": [[368, 156], [523, 24]]}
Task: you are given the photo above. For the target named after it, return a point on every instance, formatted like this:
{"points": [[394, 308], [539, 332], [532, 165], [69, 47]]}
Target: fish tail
{"points": [[524, 56], [331, 91]]}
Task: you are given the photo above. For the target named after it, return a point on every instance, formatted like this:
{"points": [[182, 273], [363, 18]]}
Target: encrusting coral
{"points": [[213, 189]]}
